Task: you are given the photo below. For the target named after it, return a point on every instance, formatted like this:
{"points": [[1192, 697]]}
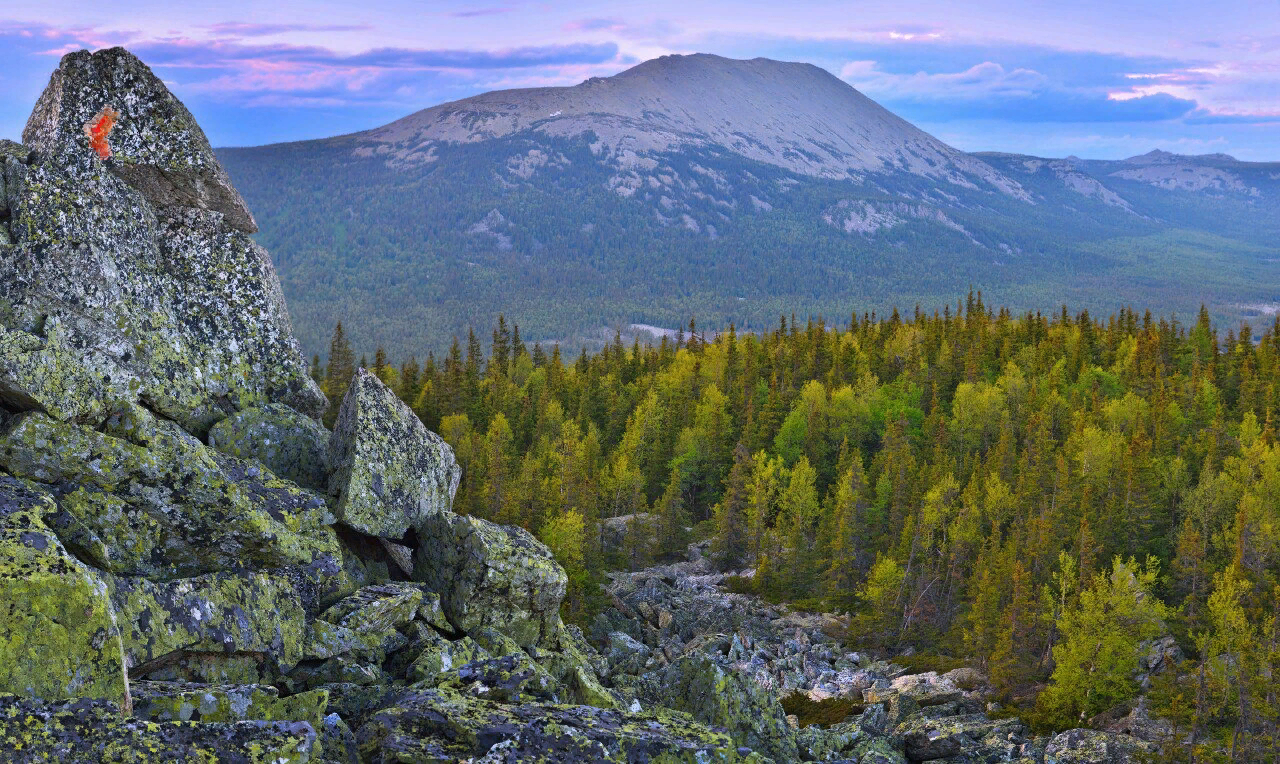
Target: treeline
{"points": [[1037, 493]]}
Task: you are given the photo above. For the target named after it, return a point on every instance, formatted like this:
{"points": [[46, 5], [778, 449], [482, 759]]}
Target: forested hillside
{"points": [[1037, 493], [732, 191]]}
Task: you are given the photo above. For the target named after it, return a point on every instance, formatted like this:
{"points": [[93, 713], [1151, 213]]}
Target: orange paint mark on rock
{"points": [[98, 128]]}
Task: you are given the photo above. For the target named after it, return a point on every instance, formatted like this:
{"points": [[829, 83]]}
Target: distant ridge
{"points": [[733, 191]]}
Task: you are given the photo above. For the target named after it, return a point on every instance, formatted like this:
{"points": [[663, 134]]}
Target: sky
{"points": [[1099, 79]]}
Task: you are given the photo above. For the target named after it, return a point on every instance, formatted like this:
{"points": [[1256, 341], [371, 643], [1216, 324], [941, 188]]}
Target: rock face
{"points": [[171, 509], [91, 731], [389, 472], [135, 273]]}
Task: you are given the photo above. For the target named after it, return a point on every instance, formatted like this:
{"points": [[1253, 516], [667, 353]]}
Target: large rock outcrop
{"points": [[134, 272], [389, 472]]}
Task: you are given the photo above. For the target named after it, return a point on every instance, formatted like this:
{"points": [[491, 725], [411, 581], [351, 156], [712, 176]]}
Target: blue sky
{"points": [[1091, 78]]}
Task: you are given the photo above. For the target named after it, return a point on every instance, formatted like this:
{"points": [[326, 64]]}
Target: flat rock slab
{"points": [[491, 576], [58, 634], [190, 701], [254, 618], [388, 471], [91, 731]]}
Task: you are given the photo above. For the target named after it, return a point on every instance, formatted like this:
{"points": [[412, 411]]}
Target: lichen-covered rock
{"points": [[338, 742], [255, 617], [291, 445], [175, 508], [388, 471], [173, 300], [44, 373], [974, 735], [85, 731], [576, 666], [189, 701], [439, 656], [58, 631], [155, 145], [1082, 746], [878, 750], [488, 575], [442, 725], [511, 678], [378, 608], [752, 715]]}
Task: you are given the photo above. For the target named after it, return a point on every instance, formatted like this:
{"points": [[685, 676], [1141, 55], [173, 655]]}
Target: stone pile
{"points": [[191, 566], [675, 638]]}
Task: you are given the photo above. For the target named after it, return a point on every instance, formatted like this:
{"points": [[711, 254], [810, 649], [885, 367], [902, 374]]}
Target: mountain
{"points": [[733, 191]]}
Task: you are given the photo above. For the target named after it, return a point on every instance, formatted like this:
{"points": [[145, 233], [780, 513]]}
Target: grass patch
{"points": [[821, 712]]}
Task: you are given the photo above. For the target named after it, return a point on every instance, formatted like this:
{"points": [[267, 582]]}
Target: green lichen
{"points": [[431, 725], [491, 576], [92, 731], [58, 634], [388, 471], [255, 618], [174, 508]]}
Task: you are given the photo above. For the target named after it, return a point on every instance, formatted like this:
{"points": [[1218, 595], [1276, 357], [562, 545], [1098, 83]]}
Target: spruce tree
{"points": [[338, 373]]}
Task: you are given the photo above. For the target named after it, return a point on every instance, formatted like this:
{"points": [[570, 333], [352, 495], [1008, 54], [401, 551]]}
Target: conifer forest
{"points": [[1036, 493]]}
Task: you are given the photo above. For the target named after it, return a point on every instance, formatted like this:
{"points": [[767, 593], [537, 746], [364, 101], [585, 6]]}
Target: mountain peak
{"points": [[792, 115]]}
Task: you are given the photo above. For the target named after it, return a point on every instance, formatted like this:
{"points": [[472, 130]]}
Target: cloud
{"points": [[244, 29], [990, 91], [481, 12]]}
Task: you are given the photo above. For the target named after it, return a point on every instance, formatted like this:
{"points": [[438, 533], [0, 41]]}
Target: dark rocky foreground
{"points": [[192, 568]]}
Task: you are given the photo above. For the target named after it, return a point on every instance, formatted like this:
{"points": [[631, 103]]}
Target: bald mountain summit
{"points": [[734, 191]]}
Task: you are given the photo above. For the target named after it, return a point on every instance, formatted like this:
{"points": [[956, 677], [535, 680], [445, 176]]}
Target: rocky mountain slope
{"points": [[736, 191], [194, 568]]}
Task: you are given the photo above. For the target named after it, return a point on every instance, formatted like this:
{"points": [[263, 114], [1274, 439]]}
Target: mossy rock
{"points": [[292, 445], [172, 509], [491, 576], [85, 731], [440, 656], [59, 636], [238, 618], [377, 608], [574, 664], [189, 701], [388, 471], [724, 698], [443, 725], [44, 373]]}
